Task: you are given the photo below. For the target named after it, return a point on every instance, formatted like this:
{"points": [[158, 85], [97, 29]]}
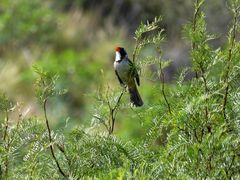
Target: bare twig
{"points": [[61, 149], [163, 83], [50, 139], [163, 89], [114, 109], [6, 125], [113, 113], [102, 121]]}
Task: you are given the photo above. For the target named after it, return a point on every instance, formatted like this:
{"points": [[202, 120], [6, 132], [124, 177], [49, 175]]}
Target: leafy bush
{"points": [[192, 127]]}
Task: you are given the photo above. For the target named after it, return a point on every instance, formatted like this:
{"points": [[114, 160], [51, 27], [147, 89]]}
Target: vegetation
{"points": [[187, 129]]}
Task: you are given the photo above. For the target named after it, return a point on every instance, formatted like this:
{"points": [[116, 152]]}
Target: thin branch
{"points": [[9, 140], [7, 145], [229, 60], [139, 117], [115, 108], [113, 112], [163, 84], [195, 22], [102, 121], [61, 149], [194, 28], [205, 88], [50, 138], [6, 125], [135, 50], [230, 166], [6, 162], [17, 127]]}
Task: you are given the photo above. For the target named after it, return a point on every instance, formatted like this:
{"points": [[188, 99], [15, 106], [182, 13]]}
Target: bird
{"points": [[127, 75]]}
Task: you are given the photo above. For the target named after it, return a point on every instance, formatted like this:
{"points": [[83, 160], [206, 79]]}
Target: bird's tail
{"points": [[135, 97]]}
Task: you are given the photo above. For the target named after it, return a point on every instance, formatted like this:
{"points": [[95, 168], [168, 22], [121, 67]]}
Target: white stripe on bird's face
{"points": [[118, 56]]}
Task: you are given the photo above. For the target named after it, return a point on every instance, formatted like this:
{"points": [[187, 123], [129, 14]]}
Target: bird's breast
{"points": [[122, 69]]}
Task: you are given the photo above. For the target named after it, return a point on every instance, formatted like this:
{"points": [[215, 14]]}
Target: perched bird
{"points": [[127, 75]]}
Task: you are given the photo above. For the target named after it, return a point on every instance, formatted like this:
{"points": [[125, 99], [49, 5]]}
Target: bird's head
{"points": [[120, 53]]}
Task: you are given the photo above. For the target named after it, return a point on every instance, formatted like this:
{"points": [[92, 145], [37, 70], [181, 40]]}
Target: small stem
{"points": [[230, 166], [135, 50], [196, 136], [61, 149], [6, 126], [113, 112], [50, 138], [113, 121], [102, 121], [8, 140], [205, 89], [163, 84], [229, 60], [6, 163], [7, 145], [194, 28], [116, 106]]}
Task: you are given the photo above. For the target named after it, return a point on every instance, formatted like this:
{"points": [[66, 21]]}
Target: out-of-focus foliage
{"points": [[23, 22], [63, 43]]}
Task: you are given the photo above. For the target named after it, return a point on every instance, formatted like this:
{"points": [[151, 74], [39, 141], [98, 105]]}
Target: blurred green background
{"points": [[76, 39]]}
